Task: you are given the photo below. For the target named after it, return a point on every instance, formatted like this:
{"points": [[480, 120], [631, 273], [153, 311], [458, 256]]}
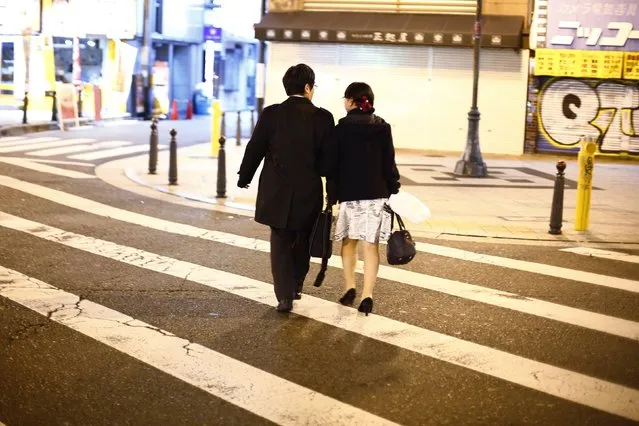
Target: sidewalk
{"points": [[38, 121], [514, 202]]}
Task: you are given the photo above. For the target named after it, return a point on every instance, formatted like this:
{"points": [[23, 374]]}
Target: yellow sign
{"points": [[631, 66], [584, 64]]}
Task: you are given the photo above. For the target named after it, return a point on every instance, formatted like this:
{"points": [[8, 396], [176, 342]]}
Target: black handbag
{"points": [[320, 244], [401, 247]]}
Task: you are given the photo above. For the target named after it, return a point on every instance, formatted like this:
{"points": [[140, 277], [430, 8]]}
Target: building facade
{"points": [[418, 58], [586, 68]]}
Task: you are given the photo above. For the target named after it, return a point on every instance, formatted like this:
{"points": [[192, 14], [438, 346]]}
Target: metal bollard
{"points": [[586, 160], [221, 170], [252, 121], [25, 106], [153, 149], [238, 135], [557, 210], [54, 105], [80, 102], [173, 159]]}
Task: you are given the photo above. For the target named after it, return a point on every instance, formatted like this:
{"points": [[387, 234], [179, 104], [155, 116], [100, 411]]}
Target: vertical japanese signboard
{"points": [[67, 104], [593, 25]]}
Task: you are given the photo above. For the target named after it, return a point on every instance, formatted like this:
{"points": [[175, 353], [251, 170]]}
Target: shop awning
{"points": [[387, 28]]}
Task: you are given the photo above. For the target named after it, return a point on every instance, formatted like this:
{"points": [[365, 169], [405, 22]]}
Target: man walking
{"points": [[293, 138]]}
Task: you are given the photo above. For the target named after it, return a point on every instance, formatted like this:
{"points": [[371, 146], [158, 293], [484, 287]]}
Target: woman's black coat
{"points": [[293, 138]]}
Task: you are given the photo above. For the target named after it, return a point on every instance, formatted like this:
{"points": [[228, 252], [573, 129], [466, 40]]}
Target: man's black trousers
{"points": [[290, 261]]}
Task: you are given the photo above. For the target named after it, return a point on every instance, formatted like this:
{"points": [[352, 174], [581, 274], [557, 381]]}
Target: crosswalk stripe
{"points": [[250, 388], [43, 145], [537, 268], [112, 152], [531, 306], [582, 389], [77, 148], [33, 165], [23, 141], [68, 163], [604, 254], [8, 139]]}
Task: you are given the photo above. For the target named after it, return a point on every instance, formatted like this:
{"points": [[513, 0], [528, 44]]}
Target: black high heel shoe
{"points": [[366, 306], [348, 298]]}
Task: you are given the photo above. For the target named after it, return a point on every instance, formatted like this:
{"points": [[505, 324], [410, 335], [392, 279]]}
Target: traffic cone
{"points": [[174, 110], [189, 111]]}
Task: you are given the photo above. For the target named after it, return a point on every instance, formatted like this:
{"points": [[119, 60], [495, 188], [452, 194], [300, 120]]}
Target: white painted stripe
{"points": [[604, 254], [537, 268], [43, 145], [27, 164], [23, 141], [559, 382], [70, 163], [77, 148], [112, 152], [264, 394], [531, 306], [11, 139]]}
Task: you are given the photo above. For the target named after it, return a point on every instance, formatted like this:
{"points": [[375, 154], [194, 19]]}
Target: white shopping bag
{"points": [[409, 207]]}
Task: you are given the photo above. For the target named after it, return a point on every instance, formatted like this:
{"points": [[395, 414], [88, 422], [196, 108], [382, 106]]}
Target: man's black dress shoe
{"points": [[285, 305], [298, 296]]}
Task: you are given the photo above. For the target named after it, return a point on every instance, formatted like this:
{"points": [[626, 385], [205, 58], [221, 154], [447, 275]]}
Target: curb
{"points": [[23, 129], [133, 176]]}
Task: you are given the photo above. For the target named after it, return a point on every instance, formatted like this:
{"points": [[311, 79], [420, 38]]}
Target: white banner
{"points": [[19, 16]]}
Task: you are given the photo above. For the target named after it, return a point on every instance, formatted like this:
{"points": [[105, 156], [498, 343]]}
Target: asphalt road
{"points": [[116, 309]]}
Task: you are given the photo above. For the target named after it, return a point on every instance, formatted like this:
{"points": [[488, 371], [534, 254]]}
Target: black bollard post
{"points": [[252, 121], [153, 149], [557, 211], [223, 125], [173, 159], [54, 106], [80, 102], [221, 170], [25, 106], [238, 135]]}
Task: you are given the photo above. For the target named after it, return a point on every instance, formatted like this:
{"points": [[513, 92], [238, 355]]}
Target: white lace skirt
{"points": [[364, 220]]}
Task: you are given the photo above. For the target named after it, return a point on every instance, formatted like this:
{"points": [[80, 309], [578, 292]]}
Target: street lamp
{"points": [[471, 163]]}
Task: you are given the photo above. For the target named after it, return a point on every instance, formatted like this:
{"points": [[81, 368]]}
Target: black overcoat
{"points": [[293, 138]]}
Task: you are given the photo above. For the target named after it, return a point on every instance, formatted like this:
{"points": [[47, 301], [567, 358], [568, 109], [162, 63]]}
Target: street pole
{"points": [[261, 70], [145, 62], [471, 163]]}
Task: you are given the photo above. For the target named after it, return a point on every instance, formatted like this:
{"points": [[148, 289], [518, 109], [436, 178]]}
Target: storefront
{"points": [[587, 77], [419, 66], [19, 48]]}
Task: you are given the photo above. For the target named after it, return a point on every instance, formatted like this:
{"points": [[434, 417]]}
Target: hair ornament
{"points": [[364, 104]]}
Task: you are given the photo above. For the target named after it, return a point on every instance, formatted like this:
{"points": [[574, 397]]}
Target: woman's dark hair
{"points": [[296, 78], [362, 95]]}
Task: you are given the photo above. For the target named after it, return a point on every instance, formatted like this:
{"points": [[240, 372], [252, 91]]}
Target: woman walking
{"points": [[362, 181]]}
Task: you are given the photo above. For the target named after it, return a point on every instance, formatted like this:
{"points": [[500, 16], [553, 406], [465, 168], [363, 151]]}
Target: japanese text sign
{"points": [[593, 25]]}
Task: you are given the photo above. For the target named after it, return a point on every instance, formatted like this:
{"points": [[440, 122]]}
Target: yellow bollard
{"points": [[216, 128], [586, 159]]}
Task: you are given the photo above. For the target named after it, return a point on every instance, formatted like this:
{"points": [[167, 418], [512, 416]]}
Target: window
{"points": [[7, 68]]}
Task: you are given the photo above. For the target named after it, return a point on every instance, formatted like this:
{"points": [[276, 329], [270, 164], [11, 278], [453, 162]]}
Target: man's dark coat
{"points": [[294, 140]]}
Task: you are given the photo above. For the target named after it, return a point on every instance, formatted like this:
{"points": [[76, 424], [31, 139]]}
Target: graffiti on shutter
{"points": [[607, 110]]}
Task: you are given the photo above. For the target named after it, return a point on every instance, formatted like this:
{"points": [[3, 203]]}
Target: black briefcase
{"points": [[320, 244]]}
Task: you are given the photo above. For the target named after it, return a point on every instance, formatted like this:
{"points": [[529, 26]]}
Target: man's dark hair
{"points": [[296, 78]]}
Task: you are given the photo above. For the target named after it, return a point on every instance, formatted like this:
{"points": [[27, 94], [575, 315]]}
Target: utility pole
{"points": [[472, 164], [145, 62], [261, 69]]}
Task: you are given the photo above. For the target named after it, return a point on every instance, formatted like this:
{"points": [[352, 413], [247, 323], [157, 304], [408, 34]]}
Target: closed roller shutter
{"points": [[423, 92], [571, 108], [401, 6]]}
